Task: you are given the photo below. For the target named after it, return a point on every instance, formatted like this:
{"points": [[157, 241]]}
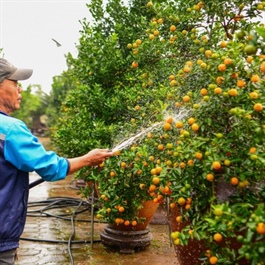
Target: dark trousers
{"points": [[8, 257]]}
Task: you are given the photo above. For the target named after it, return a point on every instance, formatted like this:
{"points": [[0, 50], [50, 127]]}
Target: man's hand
{"points": [[97, 156]]}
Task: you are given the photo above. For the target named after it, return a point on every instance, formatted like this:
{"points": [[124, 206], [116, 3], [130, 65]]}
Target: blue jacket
{"points": [[21, 153]]}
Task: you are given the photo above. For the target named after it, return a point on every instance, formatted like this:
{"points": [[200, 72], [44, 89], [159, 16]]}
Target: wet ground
{"points": [[52, 237]]}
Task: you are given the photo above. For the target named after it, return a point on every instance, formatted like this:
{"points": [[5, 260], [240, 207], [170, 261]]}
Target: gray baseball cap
{"points": [[9, 71]]}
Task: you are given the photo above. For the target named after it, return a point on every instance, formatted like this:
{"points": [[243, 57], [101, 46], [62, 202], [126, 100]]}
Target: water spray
{"points": [[126, 143]]}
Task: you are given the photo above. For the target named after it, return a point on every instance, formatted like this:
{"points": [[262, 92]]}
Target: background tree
{"points": [[33, 109], [60, 87]]}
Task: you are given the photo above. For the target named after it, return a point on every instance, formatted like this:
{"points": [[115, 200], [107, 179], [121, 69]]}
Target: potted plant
{"points": [[220, 160], [198, 71], [211, 146], [129, 194], [214, 155]]}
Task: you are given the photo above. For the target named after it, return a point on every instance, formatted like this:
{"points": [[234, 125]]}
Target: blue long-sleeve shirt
{"points": [[21, 153]]}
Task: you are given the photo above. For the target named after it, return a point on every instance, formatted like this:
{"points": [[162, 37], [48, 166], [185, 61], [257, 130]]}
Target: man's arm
{"points": [[92, 158]]}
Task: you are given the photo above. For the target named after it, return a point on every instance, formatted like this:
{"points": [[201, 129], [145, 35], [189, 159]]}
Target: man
{"points": [[21, 153]]}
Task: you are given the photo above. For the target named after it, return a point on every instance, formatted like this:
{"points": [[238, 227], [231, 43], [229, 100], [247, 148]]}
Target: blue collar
{"points": [[1, 112]]}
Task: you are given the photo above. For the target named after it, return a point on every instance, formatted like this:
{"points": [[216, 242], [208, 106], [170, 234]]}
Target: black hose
{"points": [[65, 218], [58, 241], [73, 234], [60, 202], [35, 183]]}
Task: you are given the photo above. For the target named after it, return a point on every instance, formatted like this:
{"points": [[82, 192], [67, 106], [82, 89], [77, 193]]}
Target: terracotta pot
{"points": [[195, 249], [190, 253], [131, 238], [148, 211]]}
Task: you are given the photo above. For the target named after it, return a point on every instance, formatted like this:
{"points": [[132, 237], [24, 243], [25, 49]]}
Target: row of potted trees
{"points": [[196, 77], [206, 154]]}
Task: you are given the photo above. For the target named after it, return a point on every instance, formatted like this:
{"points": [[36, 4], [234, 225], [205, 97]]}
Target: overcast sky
{"points": [[26, 32]]}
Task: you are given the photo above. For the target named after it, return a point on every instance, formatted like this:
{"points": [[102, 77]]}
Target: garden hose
{"points": [[92, 213], [73, 232], [62, 202], [35, 183]]}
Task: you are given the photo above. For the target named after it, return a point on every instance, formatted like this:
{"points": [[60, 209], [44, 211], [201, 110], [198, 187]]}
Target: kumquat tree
{"points": [[193, 81]]}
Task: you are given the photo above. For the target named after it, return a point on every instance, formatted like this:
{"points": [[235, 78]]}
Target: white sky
{"points": [[26, 32]]}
